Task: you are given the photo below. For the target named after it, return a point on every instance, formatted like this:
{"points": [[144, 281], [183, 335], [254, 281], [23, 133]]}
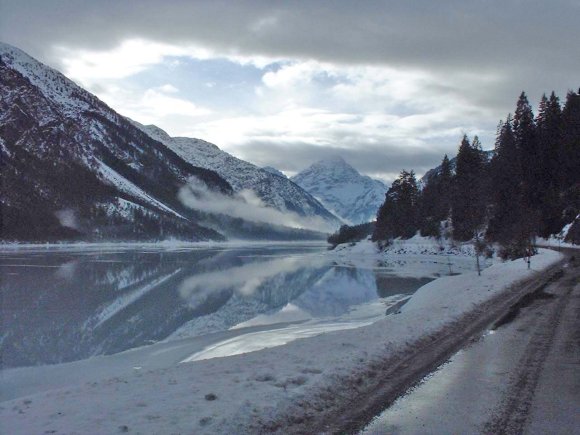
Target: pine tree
{"points": [[435, 203], [468, 207], [506, 176], [549, 173], [549, 137], [531, 186], [445, 186], [542, 109], [398, 215], [571, 140], [524, 129]]}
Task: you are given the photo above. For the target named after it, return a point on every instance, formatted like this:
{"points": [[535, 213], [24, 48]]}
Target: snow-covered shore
{"points": [[242, 393], [416, 245]]}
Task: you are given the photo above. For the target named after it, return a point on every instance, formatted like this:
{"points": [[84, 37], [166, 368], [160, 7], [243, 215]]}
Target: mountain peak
{"points": [[334, 159], [335, 165], [342, 189], [10, 49]]}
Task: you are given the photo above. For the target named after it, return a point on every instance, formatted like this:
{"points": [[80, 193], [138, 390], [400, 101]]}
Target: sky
{"points": [[388, 85]]}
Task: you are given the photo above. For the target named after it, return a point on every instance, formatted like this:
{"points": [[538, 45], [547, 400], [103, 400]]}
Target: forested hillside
{"points": [[530, 187]]}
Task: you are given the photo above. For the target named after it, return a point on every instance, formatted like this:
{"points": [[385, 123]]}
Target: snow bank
{"points": [[557, 240], [425, 249], [416, 245], [240, 394]]}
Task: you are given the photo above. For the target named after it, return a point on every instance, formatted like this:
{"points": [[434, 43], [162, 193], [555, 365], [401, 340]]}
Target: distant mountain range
{"points": [[355, 198], [270, 185], [73, 168]]}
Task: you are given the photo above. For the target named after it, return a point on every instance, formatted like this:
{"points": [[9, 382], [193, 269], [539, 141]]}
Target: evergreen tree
{"points": [[444, 188], [549, 135], [525, 137], [571, 168], [506, 176], [549, 173], [435, 203], [468, 207], [531, 186], [398, 215], [542, 109], [571, 140]]}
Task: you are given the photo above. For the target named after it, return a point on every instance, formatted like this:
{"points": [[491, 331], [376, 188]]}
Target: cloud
{"points": [[379, 119], [128, 58], [245, 205], [447, 34], [168, 89], [154, 105], [399, 79], [158, 103], [382, 161]]}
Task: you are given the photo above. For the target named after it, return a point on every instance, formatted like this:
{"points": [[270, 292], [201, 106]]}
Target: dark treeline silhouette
{"points": [[349, 234], [530, 186]]}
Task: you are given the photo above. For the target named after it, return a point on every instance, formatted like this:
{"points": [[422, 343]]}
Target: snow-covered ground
{"points": [[416, 245], [554, 242], [557, 240], [242, 393]]}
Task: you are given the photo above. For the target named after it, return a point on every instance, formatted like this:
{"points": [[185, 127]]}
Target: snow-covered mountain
{"points": [[73, 168], [343, 190], [274, 171], [273, 189]]}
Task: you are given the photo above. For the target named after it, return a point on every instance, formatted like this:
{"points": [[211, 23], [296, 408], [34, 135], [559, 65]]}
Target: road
{"points": [[521, 375]]}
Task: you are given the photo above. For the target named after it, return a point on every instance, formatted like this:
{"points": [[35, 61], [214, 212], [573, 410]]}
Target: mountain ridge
{"points": [[74, 169], [274, 190]]}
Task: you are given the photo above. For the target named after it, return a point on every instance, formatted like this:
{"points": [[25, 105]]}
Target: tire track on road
{"points": [[515, 408]]}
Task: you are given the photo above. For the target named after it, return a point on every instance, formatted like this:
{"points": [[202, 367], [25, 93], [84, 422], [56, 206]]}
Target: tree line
{"points": [[528, 186]]}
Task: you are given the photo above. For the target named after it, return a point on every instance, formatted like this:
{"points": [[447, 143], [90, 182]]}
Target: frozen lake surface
{"points": [[63, 304]]}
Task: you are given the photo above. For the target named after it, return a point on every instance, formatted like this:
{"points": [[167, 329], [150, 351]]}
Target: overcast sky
{"points": [[389, 85]]}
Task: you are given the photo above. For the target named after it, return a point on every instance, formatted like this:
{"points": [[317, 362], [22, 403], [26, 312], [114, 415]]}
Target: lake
{"points": [[62, 304]]}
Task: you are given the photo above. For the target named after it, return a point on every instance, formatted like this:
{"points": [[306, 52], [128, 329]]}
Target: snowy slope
{"points": [[65, 95], [274, 171], [274, 190], [343, 190], [66, 153]]}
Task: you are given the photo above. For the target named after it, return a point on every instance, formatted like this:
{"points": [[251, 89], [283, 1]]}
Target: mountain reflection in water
{"points": [[62, 305]]}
